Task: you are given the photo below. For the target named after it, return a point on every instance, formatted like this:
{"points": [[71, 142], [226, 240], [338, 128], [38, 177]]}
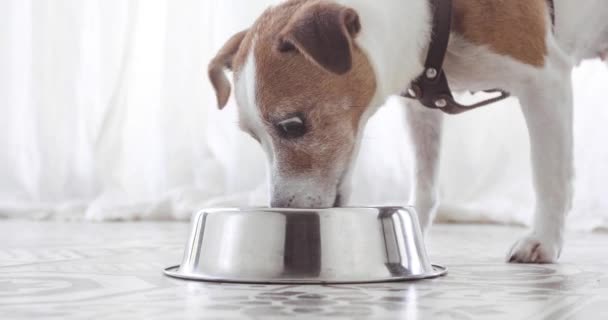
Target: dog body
{"points": [[309, 74]]}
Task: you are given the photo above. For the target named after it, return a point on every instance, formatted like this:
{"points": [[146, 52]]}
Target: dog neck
{"points": [[395, 36]]}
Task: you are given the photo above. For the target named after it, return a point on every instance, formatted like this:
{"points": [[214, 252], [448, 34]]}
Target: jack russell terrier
{"points": [[310, 73]]}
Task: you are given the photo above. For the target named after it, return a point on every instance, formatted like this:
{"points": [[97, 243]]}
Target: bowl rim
{"points": [[173, 272], [301, 210]]}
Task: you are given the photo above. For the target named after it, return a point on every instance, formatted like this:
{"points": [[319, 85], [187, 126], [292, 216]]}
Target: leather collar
{"points": [[432, 88]]}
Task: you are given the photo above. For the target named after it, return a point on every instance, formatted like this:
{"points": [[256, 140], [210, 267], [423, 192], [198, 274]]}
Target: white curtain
{"points": [[106, 113]]}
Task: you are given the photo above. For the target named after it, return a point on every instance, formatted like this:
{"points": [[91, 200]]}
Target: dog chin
{"points": [[308, 201]]}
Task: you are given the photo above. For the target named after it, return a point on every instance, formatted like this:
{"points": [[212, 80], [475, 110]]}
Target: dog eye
{"points": [[292, 128]]}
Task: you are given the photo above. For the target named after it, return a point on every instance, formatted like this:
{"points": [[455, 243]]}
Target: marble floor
{"points": [[54, 270]]}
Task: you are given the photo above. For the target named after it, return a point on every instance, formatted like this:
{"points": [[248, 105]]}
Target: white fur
{"points": [[395, 33], [582, 28], [249, 110], [424, 127], [246, 93]]}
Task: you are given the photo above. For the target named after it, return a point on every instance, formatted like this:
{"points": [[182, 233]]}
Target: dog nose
{"points": [[277, 204]]}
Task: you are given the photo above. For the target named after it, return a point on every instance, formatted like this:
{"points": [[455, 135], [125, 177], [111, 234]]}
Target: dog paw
{"points": [[535, 249]]}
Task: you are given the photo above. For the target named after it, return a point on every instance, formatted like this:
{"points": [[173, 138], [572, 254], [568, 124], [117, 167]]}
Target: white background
{"points": [[106, 113]]}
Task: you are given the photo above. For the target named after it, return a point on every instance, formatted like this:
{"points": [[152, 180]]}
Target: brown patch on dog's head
{"points": [[313, 85], [309, 65], [323, 33]]}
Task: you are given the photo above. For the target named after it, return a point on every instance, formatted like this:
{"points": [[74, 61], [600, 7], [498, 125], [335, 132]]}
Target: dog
{"points": [[308, 74]]}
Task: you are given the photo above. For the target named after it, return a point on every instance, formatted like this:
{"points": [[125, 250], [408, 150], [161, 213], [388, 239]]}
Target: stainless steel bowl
{"points": [[339, 245]]}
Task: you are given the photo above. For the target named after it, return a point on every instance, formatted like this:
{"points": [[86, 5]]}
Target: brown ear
{"points": [[223, 60], [323, 32]]}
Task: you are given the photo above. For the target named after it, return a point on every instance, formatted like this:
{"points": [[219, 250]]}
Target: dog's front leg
{"points": [[547, 107], [425, 130]]}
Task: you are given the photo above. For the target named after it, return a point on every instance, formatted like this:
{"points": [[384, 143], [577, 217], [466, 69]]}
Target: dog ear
{"points": [[223, 60], [323, 32]]}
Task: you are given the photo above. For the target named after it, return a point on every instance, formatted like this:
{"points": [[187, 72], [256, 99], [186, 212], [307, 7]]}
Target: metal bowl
{"points": [[278, 246]]}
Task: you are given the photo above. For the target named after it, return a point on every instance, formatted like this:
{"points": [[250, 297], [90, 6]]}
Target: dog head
{"points": [[303, 88]]}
